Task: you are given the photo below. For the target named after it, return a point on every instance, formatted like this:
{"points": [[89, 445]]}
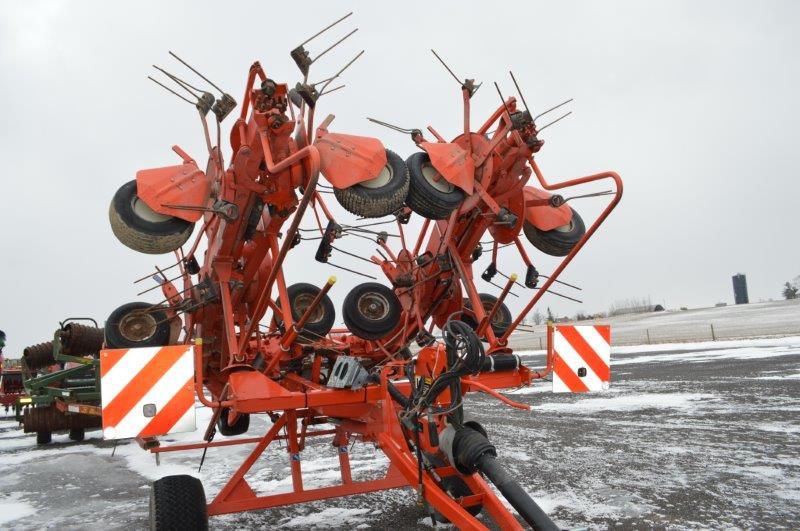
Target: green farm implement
{"points": [[62, 381]]}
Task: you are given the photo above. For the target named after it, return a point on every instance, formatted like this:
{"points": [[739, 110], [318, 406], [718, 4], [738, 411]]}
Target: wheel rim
{"points": [[301, 304], [383, 178], [435, 179], [497, 318], [565, 228], [143, 211], [138, 326], [373, 306]]}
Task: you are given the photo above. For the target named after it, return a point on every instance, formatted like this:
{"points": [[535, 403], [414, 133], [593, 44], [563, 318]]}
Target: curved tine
{"points": [[519, 91], [447, 67], [554, 121], [323, 30], [332, 46], [337, 74], [157, 82], [502, 99], [179, 81], [390, 126], [595, 194], [332, 90], [552, 109], [187, 65]]}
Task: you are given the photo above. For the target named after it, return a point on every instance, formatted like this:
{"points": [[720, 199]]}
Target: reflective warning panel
{"points": [[581, 358], [147, 392]]}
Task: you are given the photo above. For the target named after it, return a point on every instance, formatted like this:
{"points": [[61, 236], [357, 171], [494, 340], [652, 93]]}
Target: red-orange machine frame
{"points": [[248, 370]]}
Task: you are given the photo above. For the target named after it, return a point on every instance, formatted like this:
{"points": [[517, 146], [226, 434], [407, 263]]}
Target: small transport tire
{"points": [[130, 327], [43, 437], [142, 229], [301, 295], [456, 488], [371, 310], [380, 196], [558, 241], [77, 434], [429, 194], [239, 427], [501, 320], [178, 503]]}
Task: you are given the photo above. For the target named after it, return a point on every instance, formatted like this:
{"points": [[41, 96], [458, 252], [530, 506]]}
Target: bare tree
{"points": [[790, 290], [632, 305], [536, 317]]}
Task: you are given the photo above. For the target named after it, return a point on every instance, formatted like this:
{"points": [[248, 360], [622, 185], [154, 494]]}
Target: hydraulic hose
{"points": [[469, 451], [516, 496], [397, 395]]}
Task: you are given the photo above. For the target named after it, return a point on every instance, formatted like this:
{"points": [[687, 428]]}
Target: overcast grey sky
{"points": [[693, 103]]}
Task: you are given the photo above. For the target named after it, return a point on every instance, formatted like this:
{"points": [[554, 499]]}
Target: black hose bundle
{"points": [[465, 355], [464, 350]]}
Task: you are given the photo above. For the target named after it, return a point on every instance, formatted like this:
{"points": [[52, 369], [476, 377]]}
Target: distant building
{"points": [[740, 289]]}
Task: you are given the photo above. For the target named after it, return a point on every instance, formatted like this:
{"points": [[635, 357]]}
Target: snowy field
{"points": [[759, 319], [690, 436]]}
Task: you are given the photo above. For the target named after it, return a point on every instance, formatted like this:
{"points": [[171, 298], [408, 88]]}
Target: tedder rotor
{"points": [[231, 334]]}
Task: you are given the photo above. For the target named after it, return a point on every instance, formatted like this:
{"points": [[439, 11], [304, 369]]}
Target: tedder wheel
{"points": [[130, 327], [43, 437], [239, 427], [429, 194], [77, 434], [142, 229], [178, 503], [371, 310], [301, 295], [456, 488], [501, 320], [559, 241], [380, 196]]}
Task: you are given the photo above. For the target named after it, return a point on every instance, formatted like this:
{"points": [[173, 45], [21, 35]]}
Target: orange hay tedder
{"points": [[230, 326]]}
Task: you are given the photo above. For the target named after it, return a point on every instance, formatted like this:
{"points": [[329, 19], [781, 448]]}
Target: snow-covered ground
{"points": [[759, 319], [695, 435]]}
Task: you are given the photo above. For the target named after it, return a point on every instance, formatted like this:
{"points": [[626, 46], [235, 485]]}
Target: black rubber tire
{"points": [[456, 488], [556, 242], [501, 321], [143, 235], [77, 434], [369, 202], [44, 437], [364, 326], [423, 198], [158, 338], [323, 318], [178, 503], [239, 427]]}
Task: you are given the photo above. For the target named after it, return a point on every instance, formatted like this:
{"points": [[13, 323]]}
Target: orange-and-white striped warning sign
{"points": [[147, 392], [581, 358]]}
